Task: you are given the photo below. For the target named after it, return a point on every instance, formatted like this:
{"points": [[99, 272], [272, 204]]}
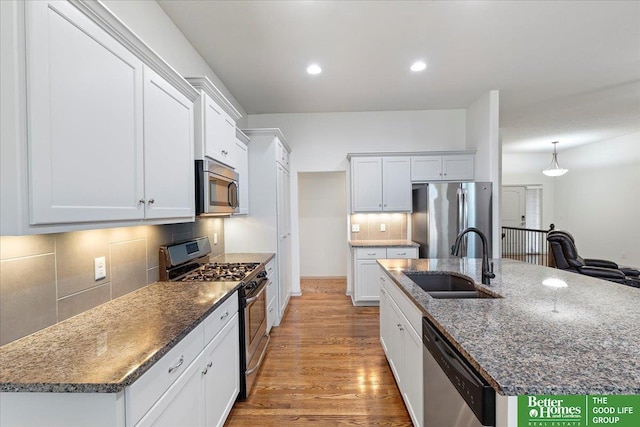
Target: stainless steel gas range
{"points": [[188, 261]]}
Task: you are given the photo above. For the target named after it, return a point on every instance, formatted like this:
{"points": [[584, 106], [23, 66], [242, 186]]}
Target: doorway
{"points": [[322, 209]]}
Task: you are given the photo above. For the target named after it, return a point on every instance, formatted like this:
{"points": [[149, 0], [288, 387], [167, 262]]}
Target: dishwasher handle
{"points": [[478, 394]]}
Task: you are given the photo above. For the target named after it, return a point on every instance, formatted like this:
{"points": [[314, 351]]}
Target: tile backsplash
{"points": [[395, 225], [45, 279]]}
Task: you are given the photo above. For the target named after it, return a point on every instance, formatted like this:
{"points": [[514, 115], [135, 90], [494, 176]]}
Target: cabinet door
{"points": [[396, 176], [168, 149], [426, 168], [183, 403], [215, 130], [395, 343], [413, 382], [385, 318], [85, 119], [242, 167], [458, 168], [366, 184], [222, 373], [367, 280]]}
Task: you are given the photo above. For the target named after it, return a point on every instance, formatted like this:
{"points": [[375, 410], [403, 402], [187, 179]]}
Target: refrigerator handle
{"points": [[462, 220]]}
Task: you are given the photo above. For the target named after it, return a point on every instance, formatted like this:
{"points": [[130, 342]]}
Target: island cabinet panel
{"points": [[402, 344], [85, 109]]}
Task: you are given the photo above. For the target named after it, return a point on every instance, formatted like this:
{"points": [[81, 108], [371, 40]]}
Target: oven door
{"points": [[255, 334]]}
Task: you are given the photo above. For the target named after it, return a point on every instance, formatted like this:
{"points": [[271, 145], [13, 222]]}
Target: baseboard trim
{"points": [[323, 277]]}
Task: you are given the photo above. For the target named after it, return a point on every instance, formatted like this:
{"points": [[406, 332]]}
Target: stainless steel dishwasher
{"points": [[455, 395]]}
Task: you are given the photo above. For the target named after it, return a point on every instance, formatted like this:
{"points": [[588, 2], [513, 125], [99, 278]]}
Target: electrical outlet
{"points": [[100, 267], [355, 228], [215, 238], [383, 227]]}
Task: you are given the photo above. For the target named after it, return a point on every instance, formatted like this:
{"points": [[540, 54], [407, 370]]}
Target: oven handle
{"points": [[253, 299], [264, 351]]}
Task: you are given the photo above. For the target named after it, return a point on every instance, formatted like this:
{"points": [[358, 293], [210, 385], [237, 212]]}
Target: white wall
{"points": [[483, 135], [322, 204], [526, 169], [148, 20], [321, 141], [598, 200]]}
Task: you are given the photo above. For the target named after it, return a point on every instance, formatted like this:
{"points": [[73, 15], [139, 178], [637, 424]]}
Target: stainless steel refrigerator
{"points": [[442, 210]]}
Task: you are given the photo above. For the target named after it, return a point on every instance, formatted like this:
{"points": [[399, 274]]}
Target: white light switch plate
{"points": [[100, 267], [383, 227], [355, 228]]}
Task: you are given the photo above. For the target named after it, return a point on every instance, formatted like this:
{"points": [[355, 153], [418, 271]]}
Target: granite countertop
{"points": [[107, 348], [382, 243], [590, 345]]}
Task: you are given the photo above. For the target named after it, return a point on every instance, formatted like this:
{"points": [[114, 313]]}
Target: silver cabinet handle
{"points": [[206, 369], [371, 254], [143, 201], [225, 315], [271, 310], [383, 291], [400, 327], [402, 253], [151, 201], [180, 362]]}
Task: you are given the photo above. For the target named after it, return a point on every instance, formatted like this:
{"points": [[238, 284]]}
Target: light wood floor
{"points": [[324, 367]]}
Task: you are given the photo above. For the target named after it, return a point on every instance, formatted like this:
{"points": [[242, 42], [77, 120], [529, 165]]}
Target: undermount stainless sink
{"points": [[443, 286]]}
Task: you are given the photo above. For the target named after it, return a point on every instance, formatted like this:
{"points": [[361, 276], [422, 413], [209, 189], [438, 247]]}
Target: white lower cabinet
{"points": [[400, 336], [182, 404], [205, 390], [366, 271], [205, 393], [272, 289], [222, 374]]}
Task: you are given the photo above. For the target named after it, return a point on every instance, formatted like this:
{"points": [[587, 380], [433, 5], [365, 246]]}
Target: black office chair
{"points": [[565, 256]]}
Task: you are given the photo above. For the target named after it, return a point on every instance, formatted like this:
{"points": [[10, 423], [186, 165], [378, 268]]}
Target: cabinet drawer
{"points": [[408, 252], [146, 390], [220, 317], [371, 253], [270, 267]]}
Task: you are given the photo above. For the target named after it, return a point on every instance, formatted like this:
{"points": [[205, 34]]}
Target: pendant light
{"points": [[554, 168]]}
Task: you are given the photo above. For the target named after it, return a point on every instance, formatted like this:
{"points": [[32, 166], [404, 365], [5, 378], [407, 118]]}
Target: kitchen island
{"points": [[535, 339]]}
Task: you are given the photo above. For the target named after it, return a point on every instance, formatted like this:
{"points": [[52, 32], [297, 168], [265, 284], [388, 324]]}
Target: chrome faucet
{"points": [[487, 268]]}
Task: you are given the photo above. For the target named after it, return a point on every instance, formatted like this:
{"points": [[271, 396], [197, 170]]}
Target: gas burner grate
{"points": [[218, 272]]}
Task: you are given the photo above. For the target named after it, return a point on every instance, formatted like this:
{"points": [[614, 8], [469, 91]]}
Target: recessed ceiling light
{"points": [[314, 69], [418, 66]]}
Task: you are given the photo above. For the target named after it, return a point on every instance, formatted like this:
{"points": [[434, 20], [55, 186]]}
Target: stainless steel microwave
{"points": [[216, 189]]}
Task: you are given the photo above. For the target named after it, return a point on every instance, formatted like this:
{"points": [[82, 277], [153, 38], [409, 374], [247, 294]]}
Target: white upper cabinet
{"points": [[106, 138], [215, 123], [168, 149], [396, 184], [380, 184], [85, 120], [452, 167]]}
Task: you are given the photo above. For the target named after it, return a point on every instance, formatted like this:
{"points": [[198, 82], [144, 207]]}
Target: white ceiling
{"points": [[566, 70]]}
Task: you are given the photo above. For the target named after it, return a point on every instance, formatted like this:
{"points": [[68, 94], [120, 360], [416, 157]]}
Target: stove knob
{"points": [[262, 274], [251, 285]]}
